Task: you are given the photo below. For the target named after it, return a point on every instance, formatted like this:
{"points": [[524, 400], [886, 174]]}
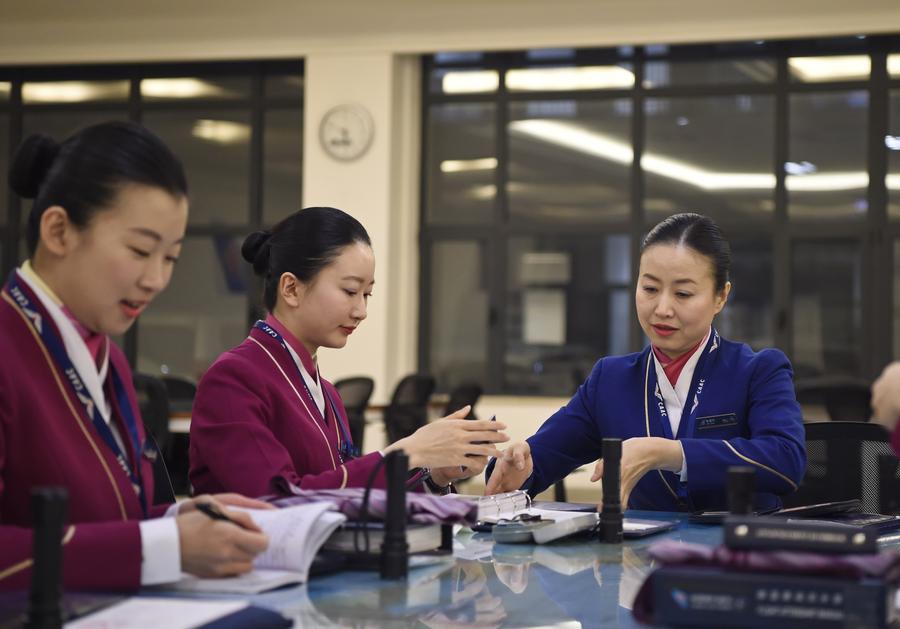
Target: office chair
{"points": [[355, 394], [845, 399], [181, 393], [154, 406], [845, 462], [408, 410], [465, 393], [181, 398]]}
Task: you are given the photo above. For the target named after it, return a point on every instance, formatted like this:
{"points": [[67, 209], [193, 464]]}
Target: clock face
{"points": [[346, 131]]}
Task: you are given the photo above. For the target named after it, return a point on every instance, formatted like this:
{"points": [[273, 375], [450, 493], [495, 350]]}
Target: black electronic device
{"points": [[815, 536], [49, 506], [610, 530], [741, 487], [394, 550]]}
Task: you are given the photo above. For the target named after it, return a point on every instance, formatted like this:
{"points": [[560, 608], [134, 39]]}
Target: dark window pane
{"points": [[282, 173], [747, 317], [896, 287], [892, 145], [463, 81], [570, 78], [45, 92], [459, 313], [215, 149], [285, 86], [191, 88], [4, 168], [824, 69], [201, 314], [827, 294], [5, 91], [570, 160], [569, 301], [668, 73], [461, 163], [826, 171], [690, 159]]}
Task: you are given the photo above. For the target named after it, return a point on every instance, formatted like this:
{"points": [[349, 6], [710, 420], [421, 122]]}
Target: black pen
{"points": [[214, 513]]}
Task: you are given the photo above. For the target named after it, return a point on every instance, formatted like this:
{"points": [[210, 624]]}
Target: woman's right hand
{"points": [[449, 440], [215, 548], [513, 467]]}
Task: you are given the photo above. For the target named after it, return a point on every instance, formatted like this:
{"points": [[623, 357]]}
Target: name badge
{"points": [[716, 421]]}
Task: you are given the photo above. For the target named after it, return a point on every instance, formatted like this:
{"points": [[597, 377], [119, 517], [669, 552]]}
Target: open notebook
{"points": [[295, 536]]}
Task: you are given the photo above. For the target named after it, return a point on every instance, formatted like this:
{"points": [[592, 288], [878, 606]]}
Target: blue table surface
{"points": [[563, 584]]}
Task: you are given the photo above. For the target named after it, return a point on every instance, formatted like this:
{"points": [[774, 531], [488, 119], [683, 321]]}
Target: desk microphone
{"points": [[611, 515], [741, 487], [394, 549], [49, 505]]}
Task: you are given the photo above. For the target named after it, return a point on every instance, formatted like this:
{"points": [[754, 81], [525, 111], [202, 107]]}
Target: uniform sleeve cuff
{"points": [[160, 551]]}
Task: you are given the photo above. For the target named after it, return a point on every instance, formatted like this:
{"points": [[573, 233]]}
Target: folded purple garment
{"points": [[420, 508]]}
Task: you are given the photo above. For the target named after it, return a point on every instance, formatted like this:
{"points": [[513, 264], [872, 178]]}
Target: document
{"points": [[172, 613]]}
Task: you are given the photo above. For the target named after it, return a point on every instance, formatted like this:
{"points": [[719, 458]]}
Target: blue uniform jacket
{"points": [[740, 410]]}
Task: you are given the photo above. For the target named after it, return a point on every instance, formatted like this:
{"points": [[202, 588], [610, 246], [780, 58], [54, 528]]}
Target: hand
{"points": [[639, 456], [215, 548], [232, 500], [514, 466], [451, 440], [443, 476], [886, 396]]}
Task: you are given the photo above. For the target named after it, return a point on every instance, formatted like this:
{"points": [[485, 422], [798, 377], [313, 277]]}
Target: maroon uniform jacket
{"points": [[47, 439]]}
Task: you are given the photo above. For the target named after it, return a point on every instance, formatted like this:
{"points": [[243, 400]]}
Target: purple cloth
{"points": [[420, 508]]}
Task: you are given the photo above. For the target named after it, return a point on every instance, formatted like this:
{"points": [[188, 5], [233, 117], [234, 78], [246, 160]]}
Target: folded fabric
{"points": [[884, 565], [420, 508]]}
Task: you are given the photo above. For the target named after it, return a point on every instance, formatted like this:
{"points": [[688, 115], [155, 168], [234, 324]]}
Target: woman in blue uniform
{"points": [[687, 407]]}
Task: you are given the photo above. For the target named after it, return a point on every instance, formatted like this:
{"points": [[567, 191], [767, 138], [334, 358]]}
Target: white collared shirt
{"points": [[160, 547], [675, 397], [313, 383]]}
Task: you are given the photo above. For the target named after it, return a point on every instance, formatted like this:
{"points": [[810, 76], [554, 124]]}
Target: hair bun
{"points": [[32, 162], [256, 249]]}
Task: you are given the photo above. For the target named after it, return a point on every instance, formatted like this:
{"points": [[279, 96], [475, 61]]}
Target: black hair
{"points": [[85, 172], [303, 244], [699, 233]]}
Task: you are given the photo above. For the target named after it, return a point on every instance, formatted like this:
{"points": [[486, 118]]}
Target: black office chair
{"points": [[154, 406], [181, 393], [181, 398], [466, 393], [355, 394], [408, 410], [845, 399], [845, 461]]}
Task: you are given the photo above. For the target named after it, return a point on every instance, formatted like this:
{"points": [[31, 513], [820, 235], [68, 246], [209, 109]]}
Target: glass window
{"points": [[826, 172], [459, 304], [202, 313], [834, 68], [4, 169], [892, 145], [710, 154], [46, 92], [708, 72], [5, 91], [748, 317], [214, 147], [570, 78], [569, 301], [569, 160], [461, 163], [282, 172], [193, 88], [896, 284], [826, 284], [285, 86]]}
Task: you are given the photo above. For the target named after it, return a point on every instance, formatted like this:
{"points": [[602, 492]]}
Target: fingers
{"points": [[493, 436], [483, 424], [237, 500], [242, 519], [251, 543], [461, 413], [474, 466], [598, 471], [493, 485]]}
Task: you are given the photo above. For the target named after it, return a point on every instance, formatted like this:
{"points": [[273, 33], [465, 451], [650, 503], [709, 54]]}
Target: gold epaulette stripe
{"points": [[75, 414], [343, 482], [761, 465], [26, 563]]}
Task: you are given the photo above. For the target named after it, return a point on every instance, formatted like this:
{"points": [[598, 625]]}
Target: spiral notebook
{"points": [[499, 506]]}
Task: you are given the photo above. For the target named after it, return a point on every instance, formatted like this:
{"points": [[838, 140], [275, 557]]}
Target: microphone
{"points": [[611, 515], [394, 549], [49, 506], [741, 487]]}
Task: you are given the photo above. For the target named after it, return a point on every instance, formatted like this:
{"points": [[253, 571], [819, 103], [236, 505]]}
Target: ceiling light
{"points": [[841, 68], [470, 82], [465, 165], [74, 91], [179, 88], [570, 78], [221, 131]]}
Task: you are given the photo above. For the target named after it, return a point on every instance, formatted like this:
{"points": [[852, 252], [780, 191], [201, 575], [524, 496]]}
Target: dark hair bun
{"points": [[256, 249], [31, 164]]}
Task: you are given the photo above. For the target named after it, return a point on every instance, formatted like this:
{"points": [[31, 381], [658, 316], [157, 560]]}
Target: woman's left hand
{"points": [[443, 476], [639, 456]]}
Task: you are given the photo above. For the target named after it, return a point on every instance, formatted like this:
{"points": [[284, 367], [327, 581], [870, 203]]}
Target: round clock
{"points": [[346, 131]]}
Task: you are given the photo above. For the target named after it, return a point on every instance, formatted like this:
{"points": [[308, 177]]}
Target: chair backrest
{"points": [[845, 399], [181, 392], [465, 393], [355, 393], [844, 462], [153, 402], [408, 410]]}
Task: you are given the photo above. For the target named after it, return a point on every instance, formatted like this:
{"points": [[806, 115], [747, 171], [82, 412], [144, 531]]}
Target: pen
{"points": [[214, 513]]}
